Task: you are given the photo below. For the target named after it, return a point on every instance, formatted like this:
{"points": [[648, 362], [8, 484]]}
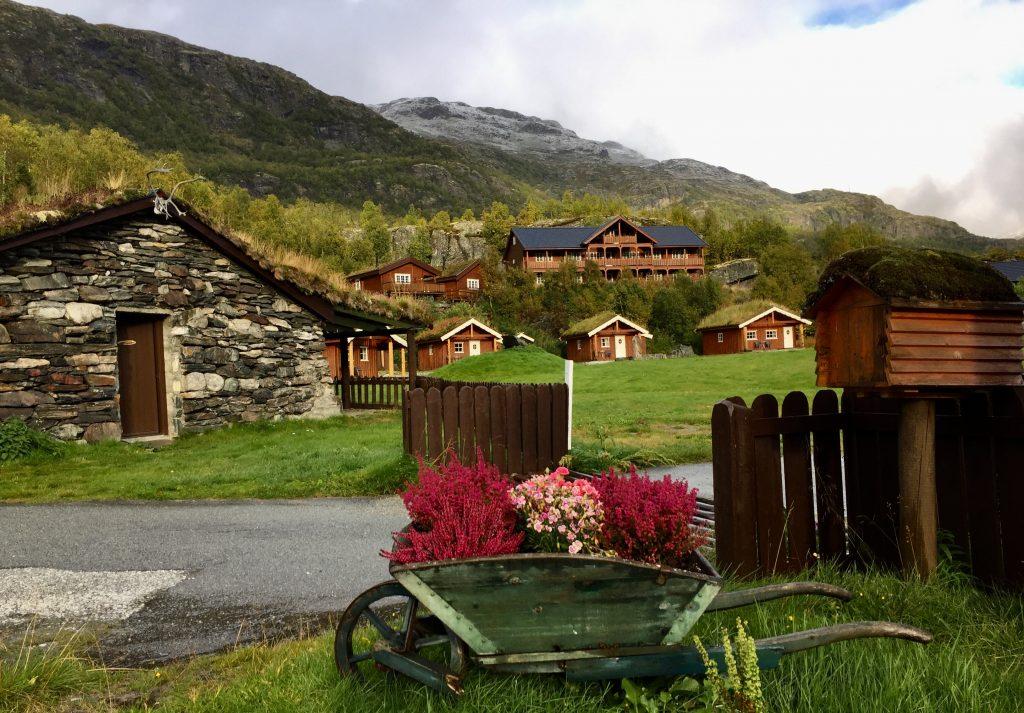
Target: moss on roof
{"points": [[584, 326], [445, 325], [307, 273], [739, 313], [917, 274]]}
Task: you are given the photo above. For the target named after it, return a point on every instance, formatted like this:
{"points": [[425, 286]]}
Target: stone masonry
{"points": [[234, 348]]}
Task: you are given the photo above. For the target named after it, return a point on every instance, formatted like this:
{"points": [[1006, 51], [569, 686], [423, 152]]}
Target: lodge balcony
{"points": [[645, 262], [423, 289]]}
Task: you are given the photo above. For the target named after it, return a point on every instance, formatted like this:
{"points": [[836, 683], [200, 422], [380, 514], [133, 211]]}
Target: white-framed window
{"points": [[364, 354], [358, 284], [676, 255], [458, 347], [579, 345], [472, 283], [539, 280], [606, 342], [430, 350], [751, 335], [771, 334], [579, 279], [403, 278], [721, 337], [658, 276]]}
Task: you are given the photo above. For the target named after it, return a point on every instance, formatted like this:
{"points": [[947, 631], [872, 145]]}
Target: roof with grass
{"points": [[916, 275], [587, 327], [443, 327], [743, 313], [330, 296]]}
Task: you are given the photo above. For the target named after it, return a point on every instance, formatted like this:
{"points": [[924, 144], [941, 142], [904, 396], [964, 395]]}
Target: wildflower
{"points": [[559, 515]]}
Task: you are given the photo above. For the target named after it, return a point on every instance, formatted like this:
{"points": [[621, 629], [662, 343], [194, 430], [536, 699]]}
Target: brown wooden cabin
{"points": [[653, 252], [751, 326], [377, 355], [948, 321], [465, 284], [605, 337], [407, 276], [452, 339]]}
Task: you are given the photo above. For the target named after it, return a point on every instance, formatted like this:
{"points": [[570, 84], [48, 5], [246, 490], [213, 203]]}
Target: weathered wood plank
{"points": [[529, 427], [1009, 462], [450, 399], [499, 431], [828, 470], [514, 428], [482, 421], [559, 421], [544, 436], [467, 440], [796, 453], [418, 410], [435, 425], [771, 547]]}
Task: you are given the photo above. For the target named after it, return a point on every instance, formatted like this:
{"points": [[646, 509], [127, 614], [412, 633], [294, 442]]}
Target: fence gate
{"points": [[372, 392], [520, 428]]}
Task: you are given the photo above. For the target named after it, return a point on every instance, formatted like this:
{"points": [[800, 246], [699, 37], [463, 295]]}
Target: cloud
{"points": [[868, 95]]}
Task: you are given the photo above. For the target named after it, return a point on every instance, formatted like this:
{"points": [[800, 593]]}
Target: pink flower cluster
{"points": [[560, 515]]}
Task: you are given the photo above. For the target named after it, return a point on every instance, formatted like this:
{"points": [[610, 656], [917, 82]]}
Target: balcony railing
{"points": [[412, 288], [638, 262]]}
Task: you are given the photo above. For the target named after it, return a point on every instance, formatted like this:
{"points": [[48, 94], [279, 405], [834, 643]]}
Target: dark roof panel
{"points": [[1012, 270], [569, 238]]}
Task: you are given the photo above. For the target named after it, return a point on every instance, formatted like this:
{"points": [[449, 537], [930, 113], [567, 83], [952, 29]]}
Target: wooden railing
{"points": [[372, 392], [637, 262], [413, 288], [520, 428], [821, 483]]}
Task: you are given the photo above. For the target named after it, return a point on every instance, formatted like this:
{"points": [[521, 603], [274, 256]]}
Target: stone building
{"points": [[124, 323]]}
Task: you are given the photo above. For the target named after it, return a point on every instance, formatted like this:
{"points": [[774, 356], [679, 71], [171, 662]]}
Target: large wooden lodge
{"points": [[617, 248]]}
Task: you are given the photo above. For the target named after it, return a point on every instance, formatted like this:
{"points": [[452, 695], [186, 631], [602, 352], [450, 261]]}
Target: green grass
{"points": [[659, 408], [339, 456], [975, 664]]}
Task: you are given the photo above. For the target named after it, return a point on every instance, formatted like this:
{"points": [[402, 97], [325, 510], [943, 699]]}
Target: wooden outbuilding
{"points": [[374, 355], [751, 326], [463, 284], [890, 317], [605, 337], [406, 276], [455, 338]]}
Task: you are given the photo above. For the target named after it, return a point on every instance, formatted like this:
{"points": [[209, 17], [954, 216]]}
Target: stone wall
{"points": [[234, 348]]}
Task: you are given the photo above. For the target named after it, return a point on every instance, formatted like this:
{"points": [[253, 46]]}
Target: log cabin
{"points": [[455, 338], [652, 252], [463, 284], [901, 318], [757, 325], [605, 337], [136, 319], [407, 276], [375, 355]]}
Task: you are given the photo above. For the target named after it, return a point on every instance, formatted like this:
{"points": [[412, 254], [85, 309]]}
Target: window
{"points": [[364, 354], [539, 279], [473, 283], [579, 345], [606, 342], [458, 347], [751, 335], [721, 337], [358, 284], [403, 278], [771, 334], [430, 350]]}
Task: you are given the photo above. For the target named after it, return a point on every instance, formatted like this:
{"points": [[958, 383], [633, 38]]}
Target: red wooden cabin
{"points": [[751, 326], [464, 284], [407, 276], [452, 339], [605, 337], [377, 355]]}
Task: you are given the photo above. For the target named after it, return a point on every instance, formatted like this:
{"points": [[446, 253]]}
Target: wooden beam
{"points": [[345, 357], [410, 340], [391, 357], [918, 504]]}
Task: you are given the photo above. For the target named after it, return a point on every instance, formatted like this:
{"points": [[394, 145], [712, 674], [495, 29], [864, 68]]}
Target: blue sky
{"points": [[918, 102]]}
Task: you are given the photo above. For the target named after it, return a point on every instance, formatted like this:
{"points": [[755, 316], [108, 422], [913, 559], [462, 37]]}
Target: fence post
{"points": [[345, 378], [568, 383]]}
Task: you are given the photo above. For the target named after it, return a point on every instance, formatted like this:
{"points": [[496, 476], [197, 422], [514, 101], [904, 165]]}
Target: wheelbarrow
{"points": [[587, 617]]}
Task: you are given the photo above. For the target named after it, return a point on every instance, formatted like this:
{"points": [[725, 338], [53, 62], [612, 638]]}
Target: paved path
{"points": [[187, 577], [253, 568]]}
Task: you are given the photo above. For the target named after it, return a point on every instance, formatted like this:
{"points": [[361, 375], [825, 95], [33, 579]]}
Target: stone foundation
{"points": [[234, 348]]}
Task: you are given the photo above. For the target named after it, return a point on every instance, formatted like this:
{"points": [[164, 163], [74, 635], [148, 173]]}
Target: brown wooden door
{"points": [[140, 364]]}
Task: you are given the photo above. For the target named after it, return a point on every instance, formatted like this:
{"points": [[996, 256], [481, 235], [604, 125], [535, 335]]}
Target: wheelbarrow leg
{"points": [[688, 662], [743, 597]]}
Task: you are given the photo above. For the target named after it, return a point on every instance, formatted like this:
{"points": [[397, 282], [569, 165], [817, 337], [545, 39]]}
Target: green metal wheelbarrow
{"points": [[586, 617]]}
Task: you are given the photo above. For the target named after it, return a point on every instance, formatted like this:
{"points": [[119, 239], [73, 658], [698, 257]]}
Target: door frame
{"points": [[157, 320], [478, 351], [620, 339], [787, 338]]}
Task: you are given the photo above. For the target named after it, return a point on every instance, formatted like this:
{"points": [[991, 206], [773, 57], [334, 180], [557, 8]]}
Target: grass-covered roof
{"points": [[584, 326], [445, 325], [917, 274], [308, 274], [736, 314]]}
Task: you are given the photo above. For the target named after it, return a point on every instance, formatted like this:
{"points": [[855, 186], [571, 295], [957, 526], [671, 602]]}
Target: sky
{"points": [[919, 102]]}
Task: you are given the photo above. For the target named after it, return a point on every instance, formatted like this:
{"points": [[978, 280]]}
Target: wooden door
{"points": [[140, 367], [620, 346], [474, 347], [787, 337]]}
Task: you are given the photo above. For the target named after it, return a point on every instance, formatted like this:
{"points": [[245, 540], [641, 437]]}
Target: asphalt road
{"points": [[204, 574], [253, 568]]}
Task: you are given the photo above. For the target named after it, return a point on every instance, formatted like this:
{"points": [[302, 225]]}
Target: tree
{"points": [[375, 230], [497, 222], [836, 239], [421, 246], [630, 298], [679, 307], [787, 276], [441, 222]]}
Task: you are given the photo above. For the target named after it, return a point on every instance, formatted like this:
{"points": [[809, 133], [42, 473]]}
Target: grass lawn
{"points": [[358, 455], [651, 411], [975, 664]]}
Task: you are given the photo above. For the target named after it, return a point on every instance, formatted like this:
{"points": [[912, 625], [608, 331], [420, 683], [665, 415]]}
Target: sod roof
{"points": [[443, 326], [307, 274], [916, 274], [585, 326], [736, 314]]}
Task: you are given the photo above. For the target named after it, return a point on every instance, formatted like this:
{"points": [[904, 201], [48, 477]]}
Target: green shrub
{"points": [[17, 440]]}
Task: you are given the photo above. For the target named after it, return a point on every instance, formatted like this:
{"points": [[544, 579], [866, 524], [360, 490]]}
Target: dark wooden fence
{"points": [[372, 392], [520, 428], [820, 482]]}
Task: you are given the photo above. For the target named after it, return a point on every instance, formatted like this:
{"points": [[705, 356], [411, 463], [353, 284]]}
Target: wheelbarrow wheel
{"points": [[386, 616]]}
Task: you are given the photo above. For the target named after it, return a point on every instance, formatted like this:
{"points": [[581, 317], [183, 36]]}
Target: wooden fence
{"points": [[821, 482], [372, 392], [520, 428]]}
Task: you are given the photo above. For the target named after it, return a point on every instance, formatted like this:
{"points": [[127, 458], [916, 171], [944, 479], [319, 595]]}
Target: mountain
{"points": [[249, 123]]}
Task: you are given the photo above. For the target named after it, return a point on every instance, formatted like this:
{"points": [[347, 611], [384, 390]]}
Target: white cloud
{"points": [[883, 105]]}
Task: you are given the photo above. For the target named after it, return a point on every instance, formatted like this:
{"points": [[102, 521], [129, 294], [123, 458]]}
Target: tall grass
{"points": [[36, 676]]}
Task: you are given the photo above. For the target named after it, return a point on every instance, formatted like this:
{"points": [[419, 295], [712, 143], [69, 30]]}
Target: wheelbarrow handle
{"points": [[743, 597], [813, 638]]}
